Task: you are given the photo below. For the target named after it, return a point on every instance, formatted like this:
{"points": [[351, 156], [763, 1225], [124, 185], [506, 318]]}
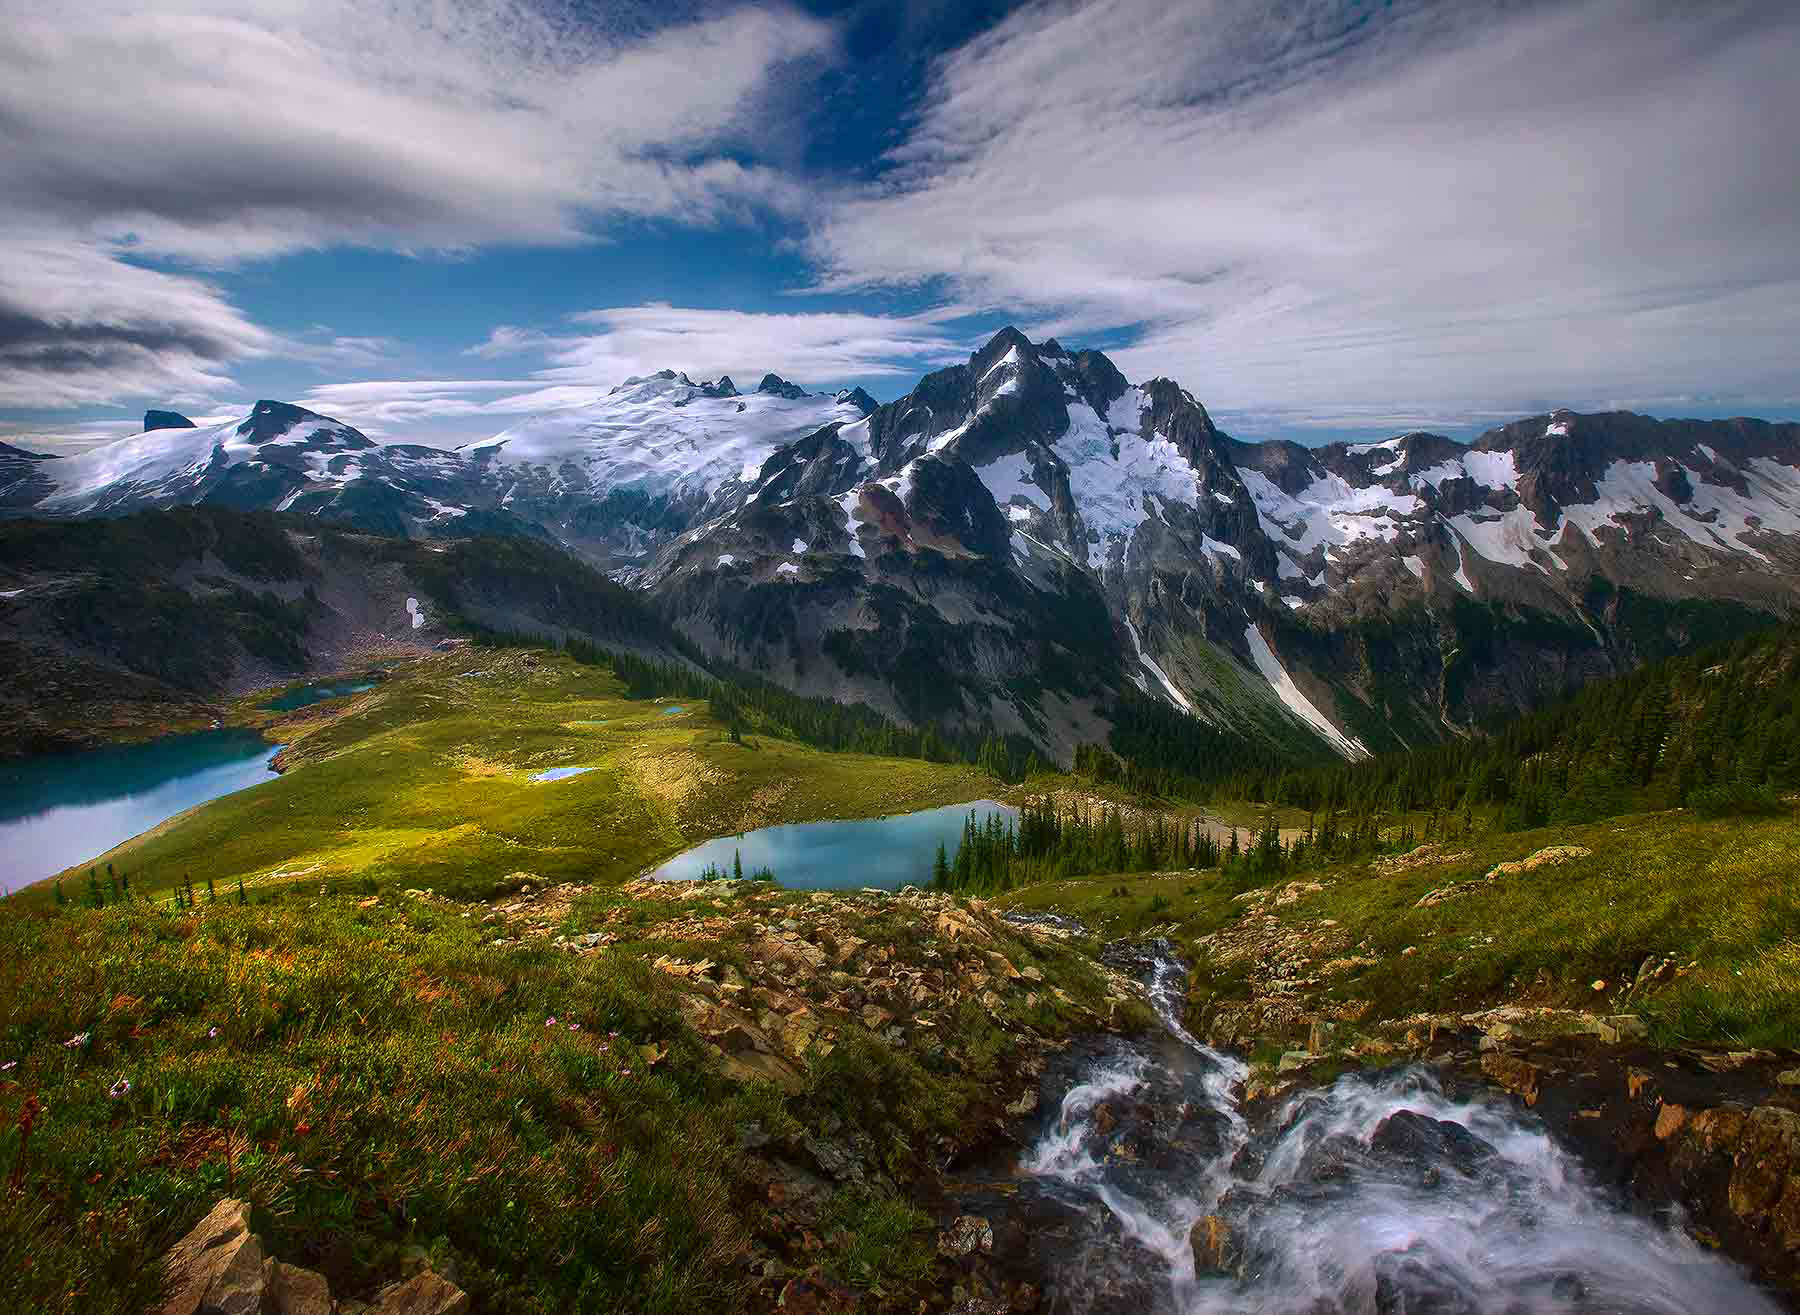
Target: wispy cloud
{"points": [[213, 132], [223, 129], [78, 326], [818, 350], [814, 348], [1298, 207]]}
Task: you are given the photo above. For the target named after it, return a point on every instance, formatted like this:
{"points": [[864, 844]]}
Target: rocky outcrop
{"points": [[217, 1269], [222, 1268]]}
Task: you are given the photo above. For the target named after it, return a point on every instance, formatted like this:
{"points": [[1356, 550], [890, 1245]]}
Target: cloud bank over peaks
{"points": [[1301, 206]]}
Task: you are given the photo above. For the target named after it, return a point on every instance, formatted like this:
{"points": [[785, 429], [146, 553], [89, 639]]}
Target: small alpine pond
{"points": [[885, 852]]}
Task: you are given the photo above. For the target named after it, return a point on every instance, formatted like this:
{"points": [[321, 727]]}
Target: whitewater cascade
{"points": [[1381, 1194]]}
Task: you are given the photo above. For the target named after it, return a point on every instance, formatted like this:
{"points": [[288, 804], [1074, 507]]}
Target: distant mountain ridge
{"points": [[1024, 540]]}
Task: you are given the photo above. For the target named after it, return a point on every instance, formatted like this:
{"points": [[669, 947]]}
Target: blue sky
{"points": [[1326, 219]]}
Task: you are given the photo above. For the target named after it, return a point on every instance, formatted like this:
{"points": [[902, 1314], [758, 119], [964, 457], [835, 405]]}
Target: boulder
{"points": [[965, 1236], [1410, 1138], [217, 1269], [1215, 1249], [296, 1291], [1765, 1176], [1514, 1074], [423, 1294]]}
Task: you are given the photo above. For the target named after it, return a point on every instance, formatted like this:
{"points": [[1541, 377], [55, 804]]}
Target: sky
{"points": [[1327, 219]]}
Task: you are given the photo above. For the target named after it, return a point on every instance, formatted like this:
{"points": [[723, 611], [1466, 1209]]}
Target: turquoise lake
{"points": [[63, 809], [886, 852], [318, 692]]}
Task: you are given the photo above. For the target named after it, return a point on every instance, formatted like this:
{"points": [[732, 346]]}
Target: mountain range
{"points": [[1033, 543]]}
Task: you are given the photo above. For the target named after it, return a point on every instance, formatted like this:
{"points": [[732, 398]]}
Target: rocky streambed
{"points": [[1147, 1181]]}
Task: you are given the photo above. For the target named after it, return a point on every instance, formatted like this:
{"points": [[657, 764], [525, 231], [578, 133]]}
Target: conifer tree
{"points": [[60, 897], [940, 868], [242, 898], [737, 865]]}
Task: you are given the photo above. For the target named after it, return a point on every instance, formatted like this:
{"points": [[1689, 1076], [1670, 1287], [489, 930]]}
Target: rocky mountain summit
{"points": [[1029, 540]]}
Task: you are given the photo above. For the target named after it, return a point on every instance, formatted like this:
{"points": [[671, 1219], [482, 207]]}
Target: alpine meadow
{"points": [[972, 657]]}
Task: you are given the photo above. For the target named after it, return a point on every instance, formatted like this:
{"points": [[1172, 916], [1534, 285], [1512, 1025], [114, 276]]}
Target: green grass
{"points": [[426, 781], [382, 1078], [1718, 894]]}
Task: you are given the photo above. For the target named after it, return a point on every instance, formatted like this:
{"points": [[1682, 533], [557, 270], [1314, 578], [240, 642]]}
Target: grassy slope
{"points": [[1716, 894], [426, 782], [382, 1077]]}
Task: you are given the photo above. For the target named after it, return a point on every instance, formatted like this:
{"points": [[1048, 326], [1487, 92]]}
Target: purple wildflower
{"points": [[574, 1027], [120, 1088], [212, 1033], [9, 1066], [624, 1072], [550, 1021]]}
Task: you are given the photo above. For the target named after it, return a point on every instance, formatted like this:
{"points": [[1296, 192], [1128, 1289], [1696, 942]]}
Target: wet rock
{"points": [[1670, 1119], [423, 1294], [1765, 1177], [1215, 1248], [1514, 1074], [1294, 1060], [1417, 1141], [966, 1235], [217, 1269]]}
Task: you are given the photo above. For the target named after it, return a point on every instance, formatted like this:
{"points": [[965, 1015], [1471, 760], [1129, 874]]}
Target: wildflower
{"points": [[613, 1035], [79, 1039], [120, 1088], [9, 1066], [624, 1072], [550, 1021], [212, 1033], [604, 1046], [574, 1027]]}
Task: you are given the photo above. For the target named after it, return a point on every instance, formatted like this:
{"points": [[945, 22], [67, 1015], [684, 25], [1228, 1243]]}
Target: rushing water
{"points": [[60, 810], [885, 852], [317, 692], [1379, 1195]]}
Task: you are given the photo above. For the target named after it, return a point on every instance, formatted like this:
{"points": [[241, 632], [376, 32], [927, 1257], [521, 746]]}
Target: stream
{"points": [[1382, 1194]]}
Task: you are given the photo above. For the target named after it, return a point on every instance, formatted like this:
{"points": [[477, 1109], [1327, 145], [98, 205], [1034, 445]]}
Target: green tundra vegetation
{"points": [[376, 1075], [428, 781], [245, 1000]]}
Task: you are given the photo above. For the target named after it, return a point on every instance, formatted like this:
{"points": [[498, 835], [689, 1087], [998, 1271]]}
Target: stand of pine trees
{"points": [[1717, 730]]}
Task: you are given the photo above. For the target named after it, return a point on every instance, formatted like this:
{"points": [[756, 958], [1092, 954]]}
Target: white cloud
{"points": [[218, 131], [223, 129], [818, 350], [1299, 211], [78, 326], [814, 349]]}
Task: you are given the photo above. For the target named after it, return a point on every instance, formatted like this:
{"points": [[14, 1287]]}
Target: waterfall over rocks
{"points": [[1146, 1188]]}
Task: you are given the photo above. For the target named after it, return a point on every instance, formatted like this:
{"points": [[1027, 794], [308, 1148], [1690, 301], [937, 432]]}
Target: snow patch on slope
{"points": [[1111, 486], [1150, 664], [1717, 516], [1330, 511], [1297, 703]]}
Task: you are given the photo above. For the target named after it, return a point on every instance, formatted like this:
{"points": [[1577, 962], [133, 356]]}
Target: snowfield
{"points": [[661, 436]]}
